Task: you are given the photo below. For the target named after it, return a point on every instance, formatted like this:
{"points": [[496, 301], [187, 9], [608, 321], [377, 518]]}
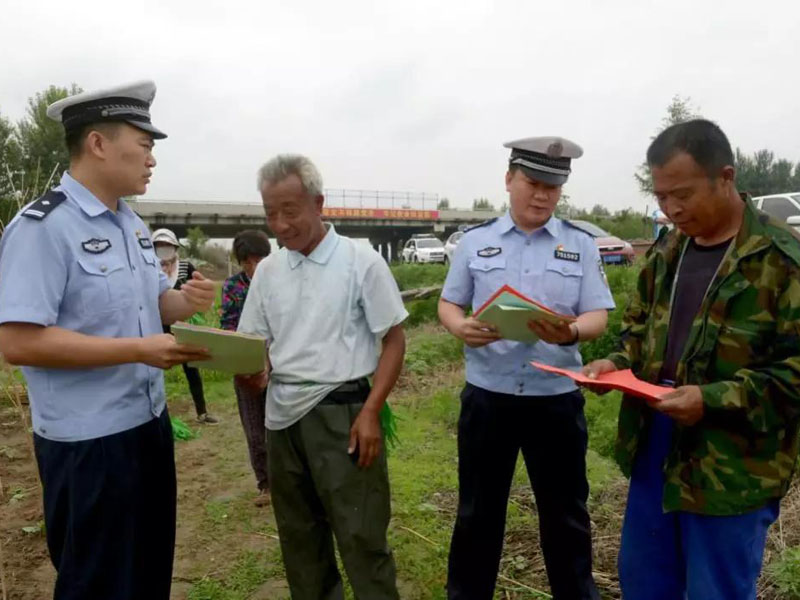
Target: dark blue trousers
{"points": [[551, 433], [681, 555], [109, 510]]}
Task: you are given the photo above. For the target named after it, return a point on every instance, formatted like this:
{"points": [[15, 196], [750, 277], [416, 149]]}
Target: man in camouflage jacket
{"points": [[710, 462]]}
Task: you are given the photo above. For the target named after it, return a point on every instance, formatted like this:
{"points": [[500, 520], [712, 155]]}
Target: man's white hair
{"points": [[284, 165]]}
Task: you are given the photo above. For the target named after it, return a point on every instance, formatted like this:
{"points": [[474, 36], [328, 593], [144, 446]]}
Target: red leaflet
{"points": [[624, 381]]}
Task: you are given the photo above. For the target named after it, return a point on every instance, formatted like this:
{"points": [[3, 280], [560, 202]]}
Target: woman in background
{"points": [[179, 272], [249, 248]]}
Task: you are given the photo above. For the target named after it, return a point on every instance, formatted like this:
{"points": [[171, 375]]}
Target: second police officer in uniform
{"points": [[508, 406], [82, 301]]}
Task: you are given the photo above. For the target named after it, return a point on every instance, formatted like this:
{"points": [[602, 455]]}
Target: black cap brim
{"points": [[149, 128], [548, 178]]}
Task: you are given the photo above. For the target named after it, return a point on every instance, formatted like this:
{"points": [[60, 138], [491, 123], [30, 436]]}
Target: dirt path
{"points": [[217, 521], [227, 548]]}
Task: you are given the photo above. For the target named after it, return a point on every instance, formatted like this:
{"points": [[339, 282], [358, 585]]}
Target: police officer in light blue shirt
{"points": [[507, 405], [82, 301]]}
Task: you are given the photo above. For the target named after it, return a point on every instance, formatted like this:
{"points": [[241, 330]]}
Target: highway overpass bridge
{"points": [[386, 221]]}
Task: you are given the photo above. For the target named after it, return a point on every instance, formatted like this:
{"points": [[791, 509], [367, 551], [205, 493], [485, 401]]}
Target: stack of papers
{"points": [[509, 311], [232, 352], [624, 381]]}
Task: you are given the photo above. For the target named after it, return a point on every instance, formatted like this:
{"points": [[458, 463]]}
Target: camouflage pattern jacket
{"points": [[744, 353]]}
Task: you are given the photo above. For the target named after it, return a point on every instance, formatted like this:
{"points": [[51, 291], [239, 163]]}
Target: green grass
{"points": [[622, 282], [249, 571], [423, 469], [431, 348], [785, 573], [424, 480], [175, 378], [422, 311], [601, 420], [412, 276]]}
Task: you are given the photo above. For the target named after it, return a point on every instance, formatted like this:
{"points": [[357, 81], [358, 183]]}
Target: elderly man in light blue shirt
{"points": [[507, 405], [333, 315], [82, 301]]}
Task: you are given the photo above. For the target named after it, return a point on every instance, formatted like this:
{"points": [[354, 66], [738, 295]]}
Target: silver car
{"points": [[784, 207], [450, 246]]}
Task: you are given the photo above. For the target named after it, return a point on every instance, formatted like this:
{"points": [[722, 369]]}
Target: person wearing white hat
{"points": [[82, 302], [178, 272]]}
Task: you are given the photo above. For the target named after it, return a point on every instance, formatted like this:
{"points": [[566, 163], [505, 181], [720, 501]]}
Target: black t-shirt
{"points": [[699, 265]]}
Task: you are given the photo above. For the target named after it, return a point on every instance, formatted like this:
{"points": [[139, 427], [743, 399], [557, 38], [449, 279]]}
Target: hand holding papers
{"points": [[232, 352], [624, 381], [510, 311]]}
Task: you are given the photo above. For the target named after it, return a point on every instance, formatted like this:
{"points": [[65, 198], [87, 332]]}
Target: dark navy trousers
{"points": [[109, 510], [550, 431]]}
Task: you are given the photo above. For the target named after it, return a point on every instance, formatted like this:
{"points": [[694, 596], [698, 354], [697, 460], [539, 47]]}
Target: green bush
{"points": [[622, 281], [601, 420], [428, 351], [411, 276], [625, 224], [422, 311], [785, 572]]}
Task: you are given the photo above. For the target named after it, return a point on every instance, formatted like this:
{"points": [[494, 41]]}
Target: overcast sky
{"points": [[415, 95]]}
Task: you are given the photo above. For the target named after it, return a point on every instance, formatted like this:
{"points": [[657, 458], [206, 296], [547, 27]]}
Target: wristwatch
{"points": [[576, 338]]}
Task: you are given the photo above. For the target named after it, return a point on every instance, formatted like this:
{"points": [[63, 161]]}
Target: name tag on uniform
{"points": [[145, 243], [570, 256], [96, 246], [490, 251]]}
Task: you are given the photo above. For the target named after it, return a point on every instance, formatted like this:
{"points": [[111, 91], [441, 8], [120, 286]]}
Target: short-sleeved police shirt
{"points": [[558, 265], [85, 268]]}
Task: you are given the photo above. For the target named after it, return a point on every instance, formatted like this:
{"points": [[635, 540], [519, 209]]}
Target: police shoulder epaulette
{"points": [[44, 206], [479, 225], [569, 223]]}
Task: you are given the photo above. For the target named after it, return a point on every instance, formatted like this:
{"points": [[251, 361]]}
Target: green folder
{"points": [[237, 353], [510, 311]]}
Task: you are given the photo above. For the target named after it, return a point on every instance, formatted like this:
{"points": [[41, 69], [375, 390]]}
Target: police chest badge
{"points": [[145, 243], [96, 246], [562, 254], [489, 252]]}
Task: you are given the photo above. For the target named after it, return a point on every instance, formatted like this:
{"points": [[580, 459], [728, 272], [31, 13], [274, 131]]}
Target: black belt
{"points": [[355, 385], [348, 392]]}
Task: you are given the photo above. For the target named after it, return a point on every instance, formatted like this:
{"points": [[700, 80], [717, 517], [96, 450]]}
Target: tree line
{"points": [[32, 152], [33, 157], [759, 174]]}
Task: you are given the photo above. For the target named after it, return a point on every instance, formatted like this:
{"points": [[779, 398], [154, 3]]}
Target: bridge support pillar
{"points": [[398, 248], [383, 246], [396, 245], [379, 246]]}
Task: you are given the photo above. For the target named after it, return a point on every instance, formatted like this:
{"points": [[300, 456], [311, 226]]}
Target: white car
{"points": [[450, 246], [784, 207], [424, 250]]}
